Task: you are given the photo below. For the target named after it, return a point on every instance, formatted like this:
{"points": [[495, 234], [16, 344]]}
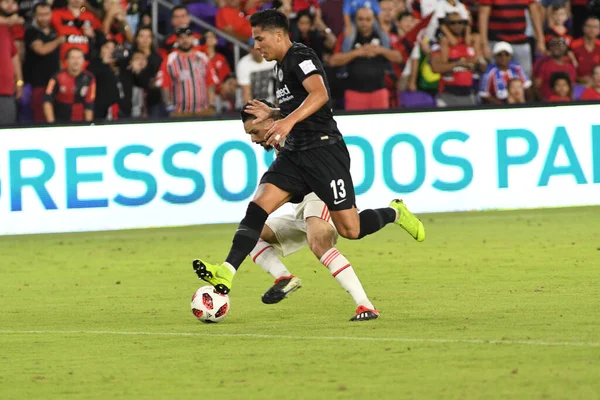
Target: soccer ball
{"points": [[208, 305]]}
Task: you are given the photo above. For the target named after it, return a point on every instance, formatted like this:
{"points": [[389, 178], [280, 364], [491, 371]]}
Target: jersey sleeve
{"points": [[305, 65], [51, 90]]}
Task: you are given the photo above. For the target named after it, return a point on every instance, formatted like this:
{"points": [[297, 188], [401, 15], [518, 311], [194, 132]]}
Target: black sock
{"points": [[247, 234], [373, 220]]}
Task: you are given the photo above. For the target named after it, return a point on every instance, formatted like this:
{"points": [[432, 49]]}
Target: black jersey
{"points": [[319, 129]]}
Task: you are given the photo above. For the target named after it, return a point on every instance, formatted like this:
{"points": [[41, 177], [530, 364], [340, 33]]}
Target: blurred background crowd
{"points": [[98, 60]]}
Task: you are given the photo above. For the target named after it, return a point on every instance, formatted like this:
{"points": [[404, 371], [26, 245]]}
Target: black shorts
{"points": [[324, 170]]}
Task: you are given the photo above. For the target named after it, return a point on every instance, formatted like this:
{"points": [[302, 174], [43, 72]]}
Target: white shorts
{"points": [[290, 229]]}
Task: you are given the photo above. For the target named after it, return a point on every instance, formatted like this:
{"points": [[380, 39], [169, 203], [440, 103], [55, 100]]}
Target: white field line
{"points": [[294, 337]]}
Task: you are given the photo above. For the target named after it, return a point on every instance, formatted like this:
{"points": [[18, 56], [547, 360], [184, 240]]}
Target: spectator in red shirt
{"points": [[593, 92], [562, 89], [11, 81], [587, 50], [17, 28], [41, 57], [366, 64], [456, 64], [217, 62], [77, 25], [187, 80], [232, 20], [180, 18], [71, 93], [555, 62], [115, 25]]}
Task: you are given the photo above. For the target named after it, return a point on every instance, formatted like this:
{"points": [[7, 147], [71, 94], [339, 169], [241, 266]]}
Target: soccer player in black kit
{"points": [[314, 157]]}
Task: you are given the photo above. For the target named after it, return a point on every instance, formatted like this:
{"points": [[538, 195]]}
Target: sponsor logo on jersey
{"points": [[280, 75], [284, 94]]}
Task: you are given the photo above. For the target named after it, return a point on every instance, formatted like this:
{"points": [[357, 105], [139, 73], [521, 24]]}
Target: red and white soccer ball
{"points": [[208, 305]]}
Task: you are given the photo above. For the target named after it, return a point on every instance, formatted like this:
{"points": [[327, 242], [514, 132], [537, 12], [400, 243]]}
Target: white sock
{"points": [[230, 267], [342, 271], [266, 257]]}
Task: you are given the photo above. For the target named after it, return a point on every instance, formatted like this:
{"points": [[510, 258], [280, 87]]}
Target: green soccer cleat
{"points": [[408, 221], [217, 275]]}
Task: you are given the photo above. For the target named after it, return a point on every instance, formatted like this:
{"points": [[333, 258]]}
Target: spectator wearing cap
{"points": [[562, 88], [556, 61], [42, 46], [494, 84], [180, 18], [456, 64], [505, 20], [71, 92], [592, 93], [187, 81], [230, 19], [587, 50], [366, 64], [77, 25], [255, 77]]}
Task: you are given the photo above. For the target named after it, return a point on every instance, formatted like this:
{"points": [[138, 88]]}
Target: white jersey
{"points": [[290, 229]]}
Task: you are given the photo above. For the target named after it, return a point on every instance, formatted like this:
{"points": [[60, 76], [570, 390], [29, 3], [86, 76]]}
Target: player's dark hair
{"points": [[179, 7], [270, 19], [247, 116]]}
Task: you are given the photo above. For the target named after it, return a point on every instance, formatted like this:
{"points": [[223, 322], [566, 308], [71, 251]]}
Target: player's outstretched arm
{"points": [[317, 98]]}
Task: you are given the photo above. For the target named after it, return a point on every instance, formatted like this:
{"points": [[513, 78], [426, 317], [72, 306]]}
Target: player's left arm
{"points": [[317, 98]]}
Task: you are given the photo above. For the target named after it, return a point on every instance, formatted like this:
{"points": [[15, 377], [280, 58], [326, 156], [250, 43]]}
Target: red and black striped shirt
{"points": [[187, 76], [71, 95], [507, 20]]}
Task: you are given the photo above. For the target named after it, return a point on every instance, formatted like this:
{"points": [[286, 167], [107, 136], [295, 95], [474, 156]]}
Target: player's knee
{"points": [[320, 244]]}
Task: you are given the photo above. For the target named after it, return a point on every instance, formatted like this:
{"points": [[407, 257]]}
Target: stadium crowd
{"points": [[96, 60]]}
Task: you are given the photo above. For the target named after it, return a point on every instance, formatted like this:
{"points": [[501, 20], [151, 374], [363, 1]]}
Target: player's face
{"points": [[266, 42], [257, 132]]}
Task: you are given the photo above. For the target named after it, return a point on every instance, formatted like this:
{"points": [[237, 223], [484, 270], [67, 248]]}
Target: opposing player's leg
{"points": [[321, 237], [266, 256], [268, 198]]}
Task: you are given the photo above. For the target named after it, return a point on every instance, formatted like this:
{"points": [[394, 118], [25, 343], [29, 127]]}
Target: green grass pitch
{"points": [[493, 305]]}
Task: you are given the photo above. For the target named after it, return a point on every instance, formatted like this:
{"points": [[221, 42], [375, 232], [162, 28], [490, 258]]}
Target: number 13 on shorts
{"points": [[339, 191]]}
